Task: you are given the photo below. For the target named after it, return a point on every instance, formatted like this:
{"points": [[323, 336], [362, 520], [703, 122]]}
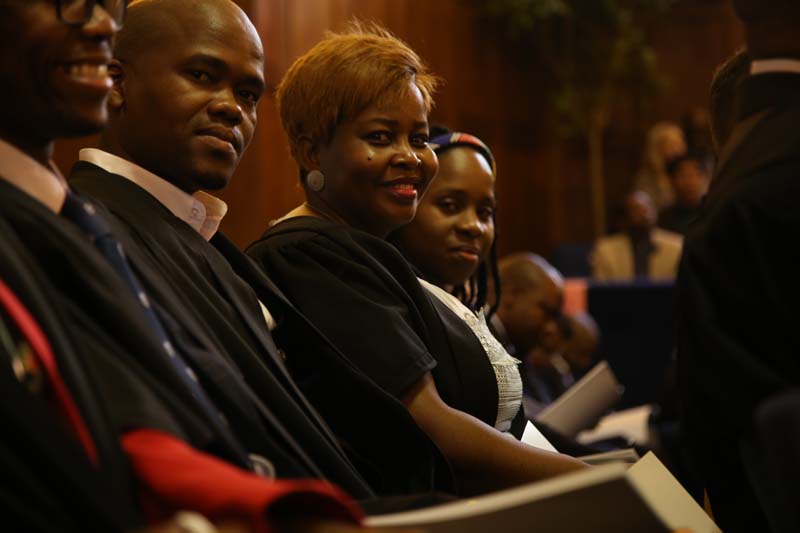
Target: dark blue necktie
{"points": [[84, 215]]}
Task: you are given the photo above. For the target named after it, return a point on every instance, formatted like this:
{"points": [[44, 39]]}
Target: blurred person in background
{"points": [[547, 362], [689, 179], [697, 132], [641, 251], [571, 341], [566, 350], [582, 339], [665, 141], [532, 297]]}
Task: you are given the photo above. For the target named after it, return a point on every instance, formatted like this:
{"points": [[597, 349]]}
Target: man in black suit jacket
{"points": [[738, 285]]}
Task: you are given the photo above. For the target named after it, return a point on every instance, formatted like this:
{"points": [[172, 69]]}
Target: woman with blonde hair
{"points": [[407, 385]]}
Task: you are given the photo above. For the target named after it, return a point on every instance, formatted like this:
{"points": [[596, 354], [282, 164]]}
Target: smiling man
{"points": [[63, 467], [106, 415]]}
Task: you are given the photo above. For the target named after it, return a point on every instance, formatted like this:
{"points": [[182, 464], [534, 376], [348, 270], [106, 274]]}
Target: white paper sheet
{"points": [[533, 437]]}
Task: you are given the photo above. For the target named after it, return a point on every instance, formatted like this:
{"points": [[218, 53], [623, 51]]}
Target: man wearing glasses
{"points": [[76, 380], [53, 57]]}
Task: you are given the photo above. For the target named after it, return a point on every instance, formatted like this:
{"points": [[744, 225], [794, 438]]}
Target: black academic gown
{"points": [[738, 291], [103, 324], [102, 345], [241, 366], [365, 297], [47, 481]]}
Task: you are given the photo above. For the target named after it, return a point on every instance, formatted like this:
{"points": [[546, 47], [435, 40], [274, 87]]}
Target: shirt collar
{"points": [[778, 65], [201, 211], [44, 183]]}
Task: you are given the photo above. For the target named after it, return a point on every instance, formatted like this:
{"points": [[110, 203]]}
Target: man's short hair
{"points": [[526, 269], [722, 103], [343, 75]]}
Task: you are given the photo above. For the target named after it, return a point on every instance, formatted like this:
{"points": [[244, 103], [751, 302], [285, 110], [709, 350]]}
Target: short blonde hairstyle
{"points": [[343, 75]]}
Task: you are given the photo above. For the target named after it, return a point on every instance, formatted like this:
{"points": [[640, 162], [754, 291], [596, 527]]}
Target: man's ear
{"points": [[116, 98], [307, 154]]}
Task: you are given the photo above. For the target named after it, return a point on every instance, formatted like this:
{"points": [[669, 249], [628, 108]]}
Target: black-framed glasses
{"points": [[79, 12]]}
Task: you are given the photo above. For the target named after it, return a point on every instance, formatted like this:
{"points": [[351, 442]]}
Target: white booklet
{"points": [[533, 437], [610, 498], [582, 405], [630, 424]]}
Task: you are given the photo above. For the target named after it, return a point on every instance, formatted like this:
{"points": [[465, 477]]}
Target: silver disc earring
{"points": [[315, 180]]}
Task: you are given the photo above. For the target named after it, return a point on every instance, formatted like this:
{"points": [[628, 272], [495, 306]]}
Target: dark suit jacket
{"points": [[738, 291]]}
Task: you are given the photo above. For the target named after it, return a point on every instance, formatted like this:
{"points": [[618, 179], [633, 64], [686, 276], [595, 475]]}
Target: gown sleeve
{"points": [[356, 301], [172, 476]]}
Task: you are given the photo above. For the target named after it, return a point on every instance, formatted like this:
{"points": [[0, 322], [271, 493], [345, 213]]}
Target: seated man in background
{"points": [[548, 363], [533, 293], [82, 340], [529, 322], [570, 343], [641, 251], [582, 337], [689, 179]]}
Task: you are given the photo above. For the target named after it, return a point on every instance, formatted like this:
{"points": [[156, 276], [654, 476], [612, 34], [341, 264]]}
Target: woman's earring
{"points": [[315, 180]]}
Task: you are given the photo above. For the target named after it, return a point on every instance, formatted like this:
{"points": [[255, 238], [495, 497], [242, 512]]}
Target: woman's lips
{"points": [[404, 191], [467, 253]]}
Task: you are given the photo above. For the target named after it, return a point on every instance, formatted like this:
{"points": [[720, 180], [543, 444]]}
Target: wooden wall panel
{"points": [[542, 185]]}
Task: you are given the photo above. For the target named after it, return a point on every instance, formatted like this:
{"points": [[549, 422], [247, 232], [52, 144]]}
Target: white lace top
{"points": [[509, 382]]}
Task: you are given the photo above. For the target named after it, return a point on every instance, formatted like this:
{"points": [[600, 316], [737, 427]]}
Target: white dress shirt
{"points": [[45, 184], [201, 211]]}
